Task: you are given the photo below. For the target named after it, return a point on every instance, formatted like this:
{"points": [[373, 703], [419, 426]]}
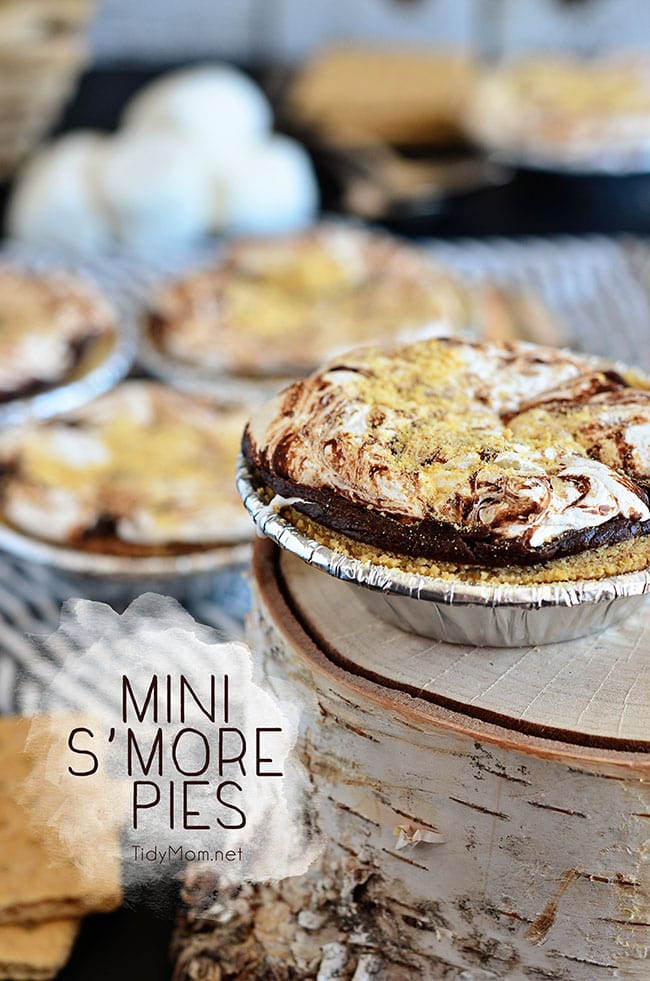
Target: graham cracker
{"points": [[42, 877], [356, 94], [36, 952]]}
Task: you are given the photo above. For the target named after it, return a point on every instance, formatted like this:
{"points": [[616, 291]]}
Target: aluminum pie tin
{"points": [[113, 366], [576, 161], [118, 579], [502, 615]]}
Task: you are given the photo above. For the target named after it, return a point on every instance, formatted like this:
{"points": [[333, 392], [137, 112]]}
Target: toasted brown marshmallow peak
{"points": [[487, 453]]}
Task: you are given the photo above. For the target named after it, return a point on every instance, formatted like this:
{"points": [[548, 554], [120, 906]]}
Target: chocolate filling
{"points": [[432, 539], [102, 538]]}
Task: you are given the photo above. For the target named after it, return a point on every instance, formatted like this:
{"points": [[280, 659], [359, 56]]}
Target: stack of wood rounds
{"points": [[493, 806]]}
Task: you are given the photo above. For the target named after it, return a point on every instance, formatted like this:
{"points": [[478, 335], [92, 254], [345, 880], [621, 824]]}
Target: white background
{"points": [[159, 30]]}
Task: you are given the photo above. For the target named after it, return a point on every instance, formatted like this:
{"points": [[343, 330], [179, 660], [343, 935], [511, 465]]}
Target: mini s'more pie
{"points": [[278, 306], [141, 471], [566, 111], [465, 454]]}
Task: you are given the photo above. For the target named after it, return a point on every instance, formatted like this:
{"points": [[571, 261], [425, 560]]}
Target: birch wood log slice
{"points": [[494, 804], [593, 691]]}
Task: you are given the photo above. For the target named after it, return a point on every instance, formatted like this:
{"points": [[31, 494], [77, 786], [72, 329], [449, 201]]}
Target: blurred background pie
{"points": [[143, 470], [565, 111], [54, 327], [279, 306]]}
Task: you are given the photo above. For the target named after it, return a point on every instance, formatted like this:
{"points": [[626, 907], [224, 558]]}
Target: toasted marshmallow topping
{"points": [[610, 420], [153, 466], [281, 306], [432, 432], [565, 108], [45, 320]]}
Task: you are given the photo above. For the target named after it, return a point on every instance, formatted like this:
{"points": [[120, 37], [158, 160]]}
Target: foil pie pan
{"points": [[117, 579], [576, 162], [452, 610]]}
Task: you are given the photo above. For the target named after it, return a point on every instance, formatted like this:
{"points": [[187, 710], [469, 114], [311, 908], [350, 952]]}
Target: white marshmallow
{"points": [[272, 190], [216, 106], [155, 189], [55, 200], [196, 155]]}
